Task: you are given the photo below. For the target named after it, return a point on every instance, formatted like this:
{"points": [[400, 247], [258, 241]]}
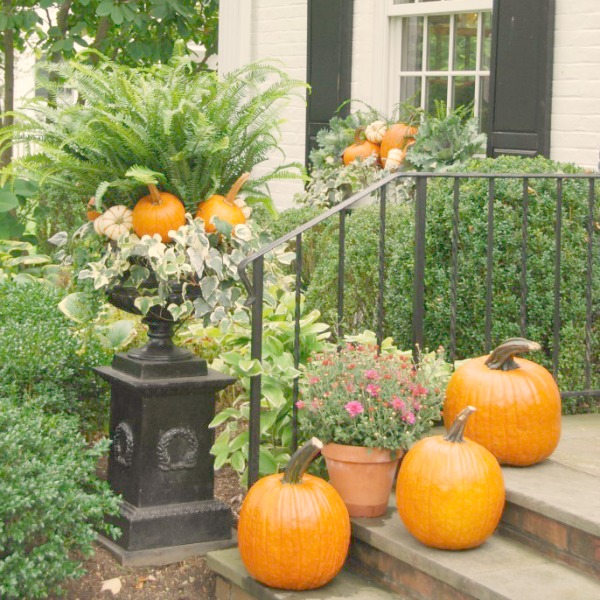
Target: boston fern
{"points": [[200, 131]]}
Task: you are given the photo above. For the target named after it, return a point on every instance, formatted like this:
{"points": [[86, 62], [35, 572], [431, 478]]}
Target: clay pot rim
{"points": [[360, 454]]}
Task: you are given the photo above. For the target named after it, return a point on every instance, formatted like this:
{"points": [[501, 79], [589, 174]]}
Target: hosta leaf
{"points": [[75, 307]]}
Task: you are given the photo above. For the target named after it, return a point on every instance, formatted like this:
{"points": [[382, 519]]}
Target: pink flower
{"points": [[409, 418], [300, 404], [372, 374], [314, 379], [397, 403], [354, 408], [316, 404], [350, 387], [373, 389]]}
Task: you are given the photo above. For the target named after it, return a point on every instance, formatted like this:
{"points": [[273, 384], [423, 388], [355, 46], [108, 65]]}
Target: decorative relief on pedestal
{"points": [[122, 444], [177, 449]]}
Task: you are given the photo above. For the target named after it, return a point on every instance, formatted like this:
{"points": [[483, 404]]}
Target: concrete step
{"points": [[501, 569], [234, 583], [555, 506]]}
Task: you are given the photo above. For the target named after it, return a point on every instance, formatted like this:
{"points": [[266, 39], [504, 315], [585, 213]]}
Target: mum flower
{"points": [[354, 408], [373, 389]]}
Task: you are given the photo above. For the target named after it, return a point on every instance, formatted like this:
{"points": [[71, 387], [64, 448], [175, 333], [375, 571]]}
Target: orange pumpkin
{"points": [[223, 207], [361, 149], [518, 404], [294, 529], [450, 490], [158, 212], [91, 213], [399, 135]]}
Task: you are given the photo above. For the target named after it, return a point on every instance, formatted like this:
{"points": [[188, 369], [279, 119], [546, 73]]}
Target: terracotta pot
{"points": [[363, 477]]}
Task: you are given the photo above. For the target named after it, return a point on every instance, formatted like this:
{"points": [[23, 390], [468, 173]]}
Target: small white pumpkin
{"points": [[115, 222], [395, 158], [375, 131]]}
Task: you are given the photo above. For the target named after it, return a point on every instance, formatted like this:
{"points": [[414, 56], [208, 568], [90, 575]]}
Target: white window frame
{"points": [[387, 71]]}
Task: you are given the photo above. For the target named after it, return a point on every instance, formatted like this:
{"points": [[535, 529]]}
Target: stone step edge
{"points": [[411, 557], [232, 574]]}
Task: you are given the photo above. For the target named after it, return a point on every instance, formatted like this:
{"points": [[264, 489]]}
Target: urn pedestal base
{"points": [[160, 459]]}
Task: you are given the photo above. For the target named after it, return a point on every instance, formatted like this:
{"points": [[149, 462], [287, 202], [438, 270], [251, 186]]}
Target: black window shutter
{"points": [[329, 63], [521, 77]]}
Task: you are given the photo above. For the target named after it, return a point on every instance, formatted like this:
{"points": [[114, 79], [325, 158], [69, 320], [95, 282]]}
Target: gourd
{"points": [[91, 213], [114, 222], [375, 131], [158, 212], [518, 404], [223, 207], [361, 149], [294, 529], [450, 490], [398, 135], [395, 158]]}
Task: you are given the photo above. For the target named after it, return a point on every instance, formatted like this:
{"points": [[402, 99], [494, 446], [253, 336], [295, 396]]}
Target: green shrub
{"points": [[361, 271], [50, 499], [43, 358]]}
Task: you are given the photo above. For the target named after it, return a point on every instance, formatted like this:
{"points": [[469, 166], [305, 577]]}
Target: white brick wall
{"points": [[575, 135], [279, 30]]}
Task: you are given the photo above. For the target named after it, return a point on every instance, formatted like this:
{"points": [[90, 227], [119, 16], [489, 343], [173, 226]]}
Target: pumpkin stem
{"points": [[154, 194], [300, 460], [502, 358], [236, 187], [359, 135], [457, 430]]}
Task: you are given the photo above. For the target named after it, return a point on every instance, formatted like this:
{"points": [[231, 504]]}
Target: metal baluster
{"points": [[588, 285], [255, 381], [380, 296], [489, 280], [419, 272], [524, 244], [557, 277], [454, 271], [340, 283], [298, 298]]}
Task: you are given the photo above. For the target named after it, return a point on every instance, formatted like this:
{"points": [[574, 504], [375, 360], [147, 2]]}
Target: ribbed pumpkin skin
{"points": [[518, 416], [150, 217], [450, 495], [218, 206], [398, 135], [293, 536], [360, 150]]}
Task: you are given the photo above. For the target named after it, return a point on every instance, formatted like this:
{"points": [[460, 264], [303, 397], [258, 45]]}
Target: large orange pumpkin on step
{"points": [[361, 149], [294, 529], [518, 404], [223, 207], [158, 212], [450, 490], [399, 135]]}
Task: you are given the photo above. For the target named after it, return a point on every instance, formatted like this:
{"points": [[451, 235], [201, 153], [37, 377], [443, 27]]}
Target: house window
{"points": [[440, 51]]}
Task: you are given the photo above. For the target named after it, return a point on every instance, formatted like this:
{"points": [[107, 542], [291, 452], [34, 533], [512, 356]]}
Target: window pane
{"points": [[486, 46], [464, 91], [437, 90], [412, 44], [410, 90], [438, 43], [465, 49], [484, 104]]}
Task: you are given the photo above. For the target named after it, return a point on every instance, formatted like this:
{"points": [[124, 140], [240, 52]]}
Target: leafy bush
{"points": [[361, 255], [43, 358], [51, 502]]}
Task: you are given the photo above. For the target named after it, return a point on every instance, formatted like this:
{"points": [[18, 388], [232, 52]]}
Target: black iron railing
{"points": [[256, 260]]}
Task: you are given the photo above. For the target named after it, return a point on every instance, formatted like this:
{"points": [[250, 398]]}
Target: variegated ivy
{"points": [[194, 258]]}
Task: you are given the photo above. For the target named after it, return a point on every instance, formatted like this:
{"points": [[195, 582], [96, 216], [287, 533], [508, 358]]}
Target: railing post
{"points": [[255, 381], [418, 320]]}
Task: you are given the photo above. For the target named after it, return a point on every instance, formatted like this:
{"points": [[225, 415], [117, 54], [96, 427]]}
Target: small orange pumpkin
{"points": [[518, 404], [450, 490], [361, 149], [223, 207], [294, 529], [91, 213], [158, 212], [399, 135]]}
